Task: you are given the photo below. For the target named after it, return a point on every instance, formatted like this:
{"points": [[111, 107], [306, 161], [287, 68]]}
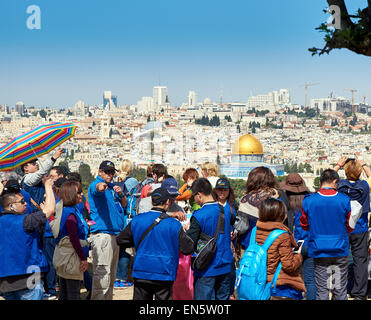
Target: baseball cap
{"points": [[222, 183], [107, 165], [12, 185], [171, 185], [160, 195]]}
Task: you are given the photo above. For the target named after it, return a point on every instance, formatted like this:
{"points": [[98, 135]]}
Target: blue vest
{"points": [[80, 215], [359, 191], [327, 216], [207, 218], [20, 252], [104, 209], [67, 211], [36, 192], [157, 257]]}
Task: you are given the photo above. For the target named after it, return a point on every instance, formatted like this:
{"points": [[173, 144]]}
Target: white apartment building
{"points": [[80, 109], [331, 104], [145, 105], [270, 100]]}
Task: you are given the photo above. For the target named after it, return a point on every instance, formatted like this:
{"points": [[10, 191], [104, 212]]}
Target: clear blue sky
{"points": [[238, 46]]}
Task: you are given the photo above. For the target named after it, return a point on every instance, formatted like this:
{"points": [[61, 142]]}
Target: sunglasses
{"points": [[109, 172], [22, 201]]}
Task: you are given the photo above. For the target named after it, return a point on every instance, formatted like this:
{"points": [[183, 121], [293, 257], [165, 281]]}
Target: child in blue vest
{"points": [[215, 280], [22, 261]]}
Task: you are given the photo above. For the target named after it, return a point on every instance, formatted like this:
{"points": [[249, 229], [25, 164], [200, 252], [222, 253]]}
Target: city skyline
{"points": [[237, 49]]}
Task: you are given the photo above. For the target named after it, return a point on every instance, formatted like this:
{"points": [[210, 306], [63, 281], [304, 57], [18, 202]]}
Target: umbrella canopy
{"points": [[34, 144]]}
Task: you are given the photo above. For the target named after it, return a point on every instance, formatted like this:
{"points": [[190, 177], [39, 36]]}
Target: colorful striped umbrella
{"points": [[34, 144]]}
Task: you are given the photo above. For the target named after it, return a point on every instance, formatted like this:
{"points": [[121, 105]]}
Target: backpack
{"points": [[207, 245], [251, 279], [133, 200]]}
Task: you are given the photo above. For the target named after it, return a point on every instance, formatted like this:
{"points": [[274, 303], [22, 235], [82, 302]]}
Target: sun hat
{"points": [[294, 183]]}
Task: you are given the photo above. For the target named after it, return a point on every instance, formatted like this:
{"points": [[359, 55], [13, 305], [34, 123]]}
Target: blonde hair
{"points": [[126, 169], [212, 169], [353, 170]]}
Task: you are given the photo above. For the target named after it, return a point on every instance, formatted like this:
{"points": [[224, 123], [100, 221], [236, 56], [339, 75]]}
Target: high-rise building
{"points": [[145, 105], [160, 97], [109, 101], [284, 96], [80, 109], [192, 98], [19, 107]]}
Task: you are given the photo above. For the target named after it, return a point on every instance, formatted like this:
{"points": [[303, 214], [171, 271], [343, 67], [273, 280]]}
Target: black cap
{"points": [[222, 183], [107, 165], [11, 186], [160, 196]]}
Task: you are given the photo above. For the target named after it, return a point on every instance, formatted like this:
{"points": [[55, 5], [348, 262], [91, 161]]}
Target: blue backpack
{"points": [[251, 279], [133, 200]]}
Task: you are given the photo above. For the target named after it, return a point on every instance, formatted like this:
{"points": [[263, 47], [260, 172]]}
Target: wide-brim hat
{"points": [[294, 183]]}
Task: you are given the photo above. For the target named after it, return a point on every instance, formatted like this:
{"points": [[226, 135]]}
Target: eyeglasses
{"points": [[109, 172], [22, 201]]}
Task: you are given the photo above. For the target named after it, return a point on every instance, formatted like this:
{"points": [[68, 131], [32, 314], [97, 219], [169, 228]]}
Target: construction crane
{"points": [[306, 85], [352, 91]]}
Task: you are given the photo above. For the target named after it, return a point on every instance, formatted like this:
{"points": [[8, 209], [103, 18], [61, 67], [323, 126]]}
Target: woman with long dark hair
{"points": [[72, 233], [295, 188], [261, 184]]}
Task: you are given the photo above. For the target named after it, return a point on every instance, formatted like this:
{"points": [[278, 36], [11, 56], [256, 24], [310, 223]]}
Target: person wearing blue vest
{"points": [[214, 281], [157, 249], [104, 198], [357, 190], [325, 216], [72, 226], [12, 186], [22, 261], [83, 214], [224, 194]]}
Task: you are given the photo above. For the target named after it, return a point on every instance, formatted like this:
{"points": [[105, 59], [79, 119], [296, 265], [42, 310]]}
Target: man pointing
{"points": [[106, 202]]}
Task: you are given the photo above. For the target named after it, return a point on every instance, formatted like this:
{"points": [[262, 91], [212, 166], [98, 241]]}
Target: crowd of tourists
{"points": [[194, 241]]}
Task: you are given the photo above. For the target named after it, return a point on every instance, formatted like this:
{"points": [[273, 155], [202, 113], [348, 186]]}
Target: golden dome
{"points": [[247, 144]]}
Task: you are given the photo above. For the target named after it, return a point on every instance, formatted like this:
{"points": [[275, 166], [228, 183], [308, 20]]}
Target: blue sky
{"points": [[241, 47]]}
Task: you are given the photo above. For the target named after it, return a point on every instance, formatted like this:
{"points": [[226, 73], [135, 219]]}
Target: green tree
{"points": [[86, 176], [316, 184]]}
